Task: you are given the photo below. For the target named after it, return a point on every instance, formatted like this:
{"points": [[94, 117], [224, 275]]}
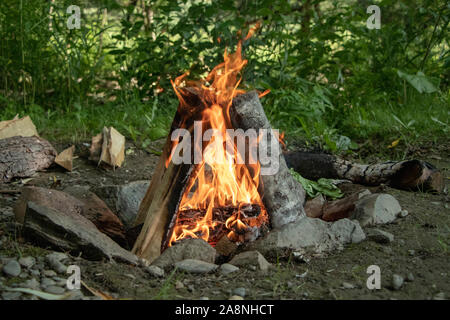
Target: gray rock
{"points": [[55, 290], [35, 273], [72, 232], [377, 208], [125, 199], [239, 292], [12, 268], [403, 213], [346, 285], [75, 295], [27, 262], [251, 258], [39, 266], [196, 266], [32, 284], [439, 296], [46, 282], [11, 295], [235, 298], [309, 234], [204, 298], [227, 268], [54, 261], [363, 193], [197, 249], [410, 277], [60, 282], [397, 281], [380, 236], [155, 271], [49, 273]]}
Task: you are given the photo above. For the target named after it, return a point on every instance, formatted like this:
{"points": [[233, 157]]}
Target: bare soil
{"points": [[420, 247]]}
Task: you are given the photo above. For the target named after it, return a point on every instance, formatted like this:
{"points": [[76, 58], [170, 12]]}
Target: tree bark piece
{"points": [[21, 157], [409, 174], [283, 196]]}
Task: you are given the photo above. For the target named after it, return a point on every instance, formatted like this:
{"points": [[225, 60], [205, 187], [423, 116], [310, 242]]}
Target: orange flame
{"points": [[219, 180]]}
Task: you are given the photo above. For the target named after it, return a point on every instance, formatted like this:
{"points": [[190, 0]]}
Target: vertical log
{"points": [[283, 195]]}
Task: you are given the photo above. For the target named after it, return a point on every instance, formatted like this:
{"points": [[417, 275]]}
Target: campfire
{"points": [[211, 185], [221, 197]]}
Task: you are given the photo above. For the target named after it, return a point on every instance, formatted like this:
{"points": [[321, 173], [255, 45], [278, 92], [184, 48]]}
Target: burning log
{"points": [[283, 195], [159, 205], [163, 195], [409, 174], [22, 156]]}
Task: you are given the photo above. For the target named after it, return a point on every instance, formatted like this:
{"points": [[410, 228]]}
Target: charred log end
{"points": [[416, 174], [312, 165]]}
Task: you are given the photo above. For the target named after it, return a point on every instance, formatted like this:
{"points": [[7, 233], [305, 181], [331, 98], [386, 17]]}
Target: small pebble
{"points": [[54, 261], [11, 295], [239, 292], [410, 277], [12, 268], [31, 284], [227, 268], [50, 273], [403, 213], [54, 290], [35, 273], [346, 285], [235, 298], [46, 282], [61, 282], [439, 296], [397, 281], [27, 262], [179, 285], [411, 252], [204, 298], [155, 271]]}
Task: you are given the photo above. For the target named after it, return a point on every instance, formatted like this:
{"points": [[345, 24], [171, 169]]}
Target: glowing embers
{"points": [[240, 224]]}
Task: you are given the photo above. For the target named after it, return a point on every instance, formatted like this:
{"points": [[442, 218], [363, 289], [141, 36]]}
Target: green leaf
{"points": [[420, 81], [156, 133], [321, 186]]}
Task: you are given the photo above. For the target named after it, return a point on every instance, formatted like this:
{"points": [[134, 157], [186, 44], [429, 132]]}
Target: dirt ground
{"points": [[420, 247]]}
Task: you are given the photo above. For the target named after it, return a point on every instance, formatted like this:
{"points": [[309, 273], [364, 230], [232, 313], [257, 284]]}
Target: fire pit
{"points": [[223, 181]]}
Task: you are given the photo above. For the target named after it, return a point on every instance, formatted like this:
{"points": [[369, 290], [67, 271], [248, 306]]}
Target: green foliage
{"points": [[315, 188], [334, 83]]}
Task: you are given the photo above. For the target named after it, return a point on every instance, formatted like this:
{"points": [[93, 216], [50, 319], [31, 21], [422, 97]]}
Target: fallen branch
{"points": [[409, 174]]}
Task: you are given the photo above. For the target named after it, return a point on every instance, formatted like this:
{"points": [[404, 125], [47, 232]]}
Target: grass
{"points": [[373, 126]]}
